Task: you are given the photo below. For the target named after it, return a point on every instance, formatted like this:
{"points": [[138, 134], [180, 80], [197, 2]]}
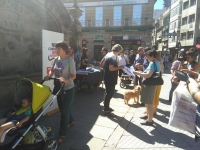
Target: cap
{"points": [[117, 48]]}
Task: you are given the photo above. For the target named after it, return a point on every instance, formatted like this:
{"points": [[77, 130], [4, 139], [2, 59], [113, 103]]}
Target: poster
{"points": [[49, 39]]}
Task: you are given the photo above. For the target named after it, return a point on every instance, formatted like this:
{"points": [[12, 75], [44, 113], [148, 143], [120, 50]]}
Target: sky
{"points": [[158, 4]]}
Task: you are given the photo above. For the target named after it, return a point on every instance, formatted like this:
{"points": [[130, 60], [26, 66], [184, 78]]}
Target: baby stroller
{"points": [[30, 135], [126, 79]]}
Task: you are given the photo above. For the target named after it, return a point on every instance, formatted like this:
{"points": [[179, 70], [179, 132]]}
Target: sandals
{"points": [[71, 124], [61, 139], [109, 113]]}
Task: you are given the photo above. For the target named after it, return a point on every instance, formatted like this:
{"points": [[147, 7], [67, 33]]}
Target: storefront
{"points": [[127, 45]]}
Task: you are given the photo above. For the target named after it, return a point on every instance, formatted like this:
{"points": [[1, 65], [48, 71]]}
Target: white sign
{"points": [[107, 3], [49, 39]]}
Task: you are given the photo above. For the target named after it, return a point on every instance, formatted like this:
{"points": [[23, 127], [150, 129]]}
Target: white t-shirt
{"points": [[122, 60]]}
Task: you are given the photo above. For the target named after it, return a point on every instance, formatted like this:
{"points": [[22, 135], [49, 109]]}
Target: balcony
{"points": [[116, 23]]}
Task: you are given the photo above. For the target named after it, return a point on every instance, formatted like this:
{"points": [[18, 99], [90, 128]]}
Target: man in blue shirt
{"points": [[139, 60]]}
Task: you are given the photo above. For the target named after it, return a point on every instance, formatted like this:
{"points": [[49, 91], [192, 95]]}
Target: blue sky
{"points": [[158, 4]]}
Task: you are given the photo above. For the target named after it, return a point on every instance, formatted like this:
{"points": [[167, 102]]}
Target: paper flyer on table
{"points": [[129, 71]]}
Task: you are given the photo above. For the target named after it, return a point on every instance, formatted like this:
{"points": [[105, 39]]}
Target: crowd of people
{"points": [[145, 62]]}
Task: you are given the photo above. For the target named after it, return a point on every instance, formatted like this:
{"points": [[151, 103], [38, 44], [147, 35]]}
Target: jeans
{"points": [[108, 95], [65, 104], [173, 87]]}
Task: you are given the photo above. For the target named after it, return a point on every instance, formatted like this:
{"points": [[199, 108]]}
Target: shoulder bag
{"points": [[155, 79]]}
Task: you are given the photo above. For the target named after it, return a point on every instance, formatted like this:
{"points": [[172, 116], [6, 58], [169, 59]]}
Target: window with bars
{"points": [[99, 16], [117, 19], [137, 14], [82, 17]]}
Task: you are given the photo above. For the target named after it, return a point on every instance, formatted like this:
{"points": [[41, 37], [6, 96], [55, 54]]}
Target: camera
{"points": [[182, 55]]}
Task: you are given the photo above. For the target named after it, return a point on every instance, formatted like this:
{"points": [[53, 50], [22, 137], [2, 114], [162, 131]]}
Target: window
{"points": [[173, 1], [98, 37], [183, 36], [117, 21], [175, 11], [99, 16], [192, 3], [82, 17], [190, 35], [184, 20], [137, 14], [185, 5], [191, 18]]}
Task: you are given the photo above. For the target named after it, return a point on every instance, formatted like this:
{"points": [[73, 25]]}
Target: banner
{"points": [[49, 39]]}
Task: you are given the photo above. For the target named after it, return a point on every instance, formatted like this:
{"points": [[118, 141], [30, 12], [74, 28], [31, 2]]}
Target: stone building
{"points": [[105, 23], [21, 25]]}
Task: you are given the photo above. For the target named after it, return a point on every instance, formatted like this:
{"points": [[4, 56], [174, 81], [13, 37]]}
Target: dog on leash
{"points": [[135, 93]]}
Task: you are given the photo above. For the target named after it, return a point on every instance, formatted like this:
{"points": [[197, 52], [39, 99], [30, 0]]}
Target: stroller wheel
{"points": [[122, 85], [51, 144]]}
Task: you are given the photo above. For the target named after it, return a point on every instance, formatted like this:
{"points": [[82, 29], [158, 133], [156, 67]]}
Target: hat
{"points": [[131, 51], [117, 48]]}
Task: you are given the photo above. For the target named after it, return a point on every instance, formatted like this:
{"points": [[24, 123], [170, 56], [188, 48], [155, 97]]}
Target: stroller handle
{"points": [[51, 78]]}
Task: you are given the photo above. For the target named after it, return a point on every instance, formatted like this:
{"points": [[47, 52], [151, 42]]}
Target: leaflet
{"points": [[129, 71]]}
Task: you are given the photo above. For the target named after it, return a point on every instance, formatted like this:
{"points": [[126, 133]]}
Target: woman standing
{"points": [[84, 59], [148, 91], [158, 88], [64, 69]]}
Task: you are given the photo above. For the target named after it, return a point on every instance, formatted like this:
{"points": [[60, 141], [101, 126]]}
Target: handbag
{"points": [[155, 78]]}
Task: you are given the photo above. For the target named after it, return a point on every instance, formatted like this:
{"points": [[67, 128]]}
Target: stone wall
{"points": [[21, 25]]}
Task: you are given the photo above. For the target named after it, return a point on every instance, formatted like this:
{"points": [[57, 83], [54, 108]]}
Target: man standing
{"points": [[139, 64], [139, 60], [110, 77], [104, 51], [77, 57], [131, 57]]}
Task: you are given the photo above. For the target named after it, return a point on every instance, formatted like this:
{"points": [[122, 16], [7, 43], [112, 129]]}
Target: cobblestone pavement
{"points": [[94, 131]]}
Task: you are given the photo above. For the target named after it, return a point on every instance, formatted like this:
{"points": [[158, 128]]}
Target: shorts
{"points": [[13, 121]]}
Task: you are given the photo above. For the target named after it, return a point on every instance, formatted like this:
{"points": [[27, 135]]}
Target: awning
{"points": [[198, 46]]}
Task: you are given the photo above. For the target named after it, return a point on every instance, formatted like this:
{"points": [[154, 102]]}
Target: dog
{"points": [[135, 93]]}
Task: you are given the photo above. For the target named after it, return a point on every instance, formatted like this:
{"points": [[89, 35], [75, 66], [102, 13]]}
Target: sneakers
{"points": [[142, 104], [146, 123], [144, 117]]}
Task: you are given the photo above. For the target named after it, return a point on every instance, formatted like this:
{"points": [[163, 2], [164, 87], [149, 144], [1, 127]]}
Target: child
{"points": [[16, 120]]}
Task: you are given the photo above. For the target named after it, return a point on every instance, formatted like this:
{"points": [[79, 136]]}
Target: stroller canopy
{"points": [[39, 93]]}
